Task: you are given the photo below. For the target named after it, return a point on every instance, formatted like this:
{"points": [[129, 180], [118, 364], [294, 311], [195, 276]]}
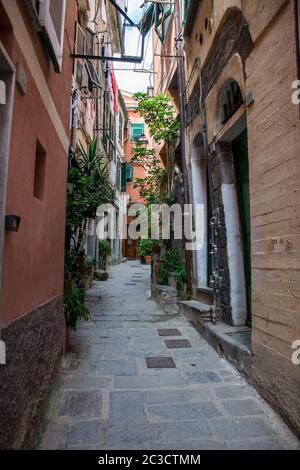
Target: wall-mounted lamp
{"points": [[12, 222]]}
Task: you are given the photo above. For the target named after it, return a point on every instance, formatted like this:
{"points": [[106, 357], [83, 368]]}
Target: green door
{"points": [[241, 165]]}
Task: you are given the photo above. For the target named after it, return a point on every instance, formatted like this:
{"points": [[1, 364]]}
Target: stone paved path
{"points": [[106, 398]]}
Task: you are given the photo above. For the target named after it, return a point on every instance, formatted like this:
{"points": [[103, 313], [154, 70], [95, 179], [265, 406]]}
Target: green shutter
{"points": [[123, 177], [136, 130], [129, 173]]}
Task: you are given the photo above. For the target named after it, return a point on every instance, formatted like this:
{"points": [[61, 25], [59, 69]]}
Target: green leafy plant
{"points": [[172, 263], [145, 247], [91, 187], [90, 262], [88, 187], [74, 308], [152, 188], [159, 114], [105, 252]]}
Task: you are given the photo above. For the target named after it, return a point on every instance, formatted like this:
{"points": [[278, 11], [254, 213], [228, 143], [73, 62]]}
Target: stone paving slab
{"points": [[105, 397]]}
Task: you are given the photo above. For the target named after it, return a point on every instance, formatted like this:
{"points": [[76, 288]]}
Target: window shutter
{"points": [[129, 173], [52, 19], [123, 177], [136, 131]]}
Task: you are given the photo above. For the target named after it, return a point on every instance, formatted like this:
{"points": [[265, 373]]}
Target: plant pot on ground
{"points": [[105, 252], [145, 249], [148, 259], [172, 266]]}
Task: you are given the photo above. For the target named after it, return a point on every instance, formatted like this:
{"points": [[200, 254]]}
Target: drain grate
{"points": [[177, 343], [169, 332], [130, 284], [160, 363]]}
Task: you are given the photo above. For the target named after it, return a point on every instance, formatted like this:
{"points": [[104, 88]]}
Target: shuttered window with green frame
{"points": [[123, 177], [129, 173], [136, 130]]}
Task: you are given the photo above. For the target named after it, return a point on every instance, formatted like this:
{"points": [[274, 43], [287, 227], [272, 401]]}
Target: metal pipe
{"points": [[117, 7], [181, 86], [133, 59]]}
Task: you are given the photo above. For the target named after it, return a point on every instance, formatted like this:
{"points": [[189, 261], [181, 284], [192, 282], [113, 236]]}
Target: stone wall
{"points": [[34, 345], [265, 67], [273, 134]]}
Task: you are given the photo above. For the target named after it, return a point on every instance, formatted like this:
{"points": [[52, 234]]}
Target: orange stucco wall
{"points": [[138, 170]]}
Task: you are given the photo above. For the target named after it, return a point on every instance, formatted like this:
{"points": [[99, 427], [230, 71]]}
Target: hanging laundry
{"points": [[115, 91]]}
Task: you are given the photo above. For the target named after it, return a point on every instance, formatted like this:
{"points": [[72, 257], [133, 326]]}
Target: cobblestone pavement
{"points": [[107, 398]]}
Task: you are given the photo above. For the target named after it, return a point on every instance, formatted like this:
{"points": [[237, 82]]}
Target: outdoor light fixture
{"points": [[142, 140], [12, 222]]}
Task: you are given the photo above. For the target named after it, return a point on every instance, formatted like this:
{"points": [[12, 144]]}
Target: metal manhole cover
{"points": [[160, 363], [177, 343], [169, 332]]}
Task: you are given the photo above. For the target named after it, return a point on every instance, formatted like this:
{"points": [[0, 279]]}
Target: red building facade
{"points": [[36, 47]]}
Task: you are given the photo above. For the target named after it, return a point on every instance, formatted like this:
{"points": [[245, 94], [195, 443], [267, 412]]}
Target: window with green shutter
{"points": [[136, 130], [123, 177], [129, 173]]}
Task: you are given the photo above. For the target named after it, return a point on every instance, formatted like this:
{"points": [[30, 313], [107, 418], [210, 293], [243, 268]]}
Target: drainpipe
{"points": [[181, 88], [209, 174]]}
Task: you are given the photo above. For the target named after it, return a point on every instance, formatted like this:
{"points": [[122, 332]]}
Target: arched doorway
{"points": [[232, 193]]}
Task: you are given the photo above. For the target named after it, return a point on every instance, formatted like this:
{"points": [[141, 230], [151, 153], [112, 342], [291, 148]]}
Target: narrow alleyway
{"points": [[107, 398]]}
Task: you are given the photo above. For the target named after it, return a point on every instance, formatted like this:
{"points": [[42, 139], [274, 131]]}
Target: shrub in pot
{"points": [[173, 270], [145, 249], [105, 252]]}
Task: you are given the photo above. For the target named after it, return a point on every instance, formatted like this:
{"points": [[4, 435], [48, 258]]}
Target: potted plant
{"points": [[145, 249], [173, 271], [105, 252]]}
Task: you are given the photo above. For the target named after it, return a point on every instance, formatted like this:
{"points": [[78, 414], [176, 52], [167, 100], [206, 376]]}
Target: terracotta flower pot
{"points": [[148, 259]]}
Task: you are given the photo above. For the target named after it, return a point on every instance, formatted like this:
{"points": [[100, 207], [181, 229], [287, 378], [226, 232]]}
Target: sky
{"points": [[129, 80]]}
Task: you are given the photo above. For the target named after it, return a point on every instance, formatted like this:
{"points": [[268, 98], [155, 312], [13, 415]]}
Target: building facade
{"points": [[36, 67], [51, 105], [98, 109], [131, 170], [234, 63]]}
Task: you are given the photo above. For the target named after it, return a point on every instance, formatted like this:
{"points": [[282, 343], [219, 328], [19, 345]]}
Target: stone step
{"points": [[194, 306]]}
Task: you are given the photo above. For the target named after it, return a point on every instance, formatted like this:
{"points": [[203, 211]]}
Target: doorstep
{"points": [[231, 342]]}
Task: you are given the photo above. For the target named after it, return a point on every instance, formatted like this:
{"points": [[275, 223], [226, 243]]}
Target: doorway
{"points": [[241, 167]]}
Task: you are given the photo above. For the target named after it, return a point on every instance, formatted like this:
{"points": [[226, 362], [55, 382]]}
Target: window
{"points": [[120, 127], [89, 41], [129, 174], [136, 131], [48, 18], [80, 47], [123, 177], [185, 6], [39, 172]]}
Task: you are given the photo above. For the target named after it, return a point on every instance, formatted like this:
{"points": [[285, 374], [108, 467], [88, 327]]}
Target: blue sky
{"points": [[130, 80]]}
